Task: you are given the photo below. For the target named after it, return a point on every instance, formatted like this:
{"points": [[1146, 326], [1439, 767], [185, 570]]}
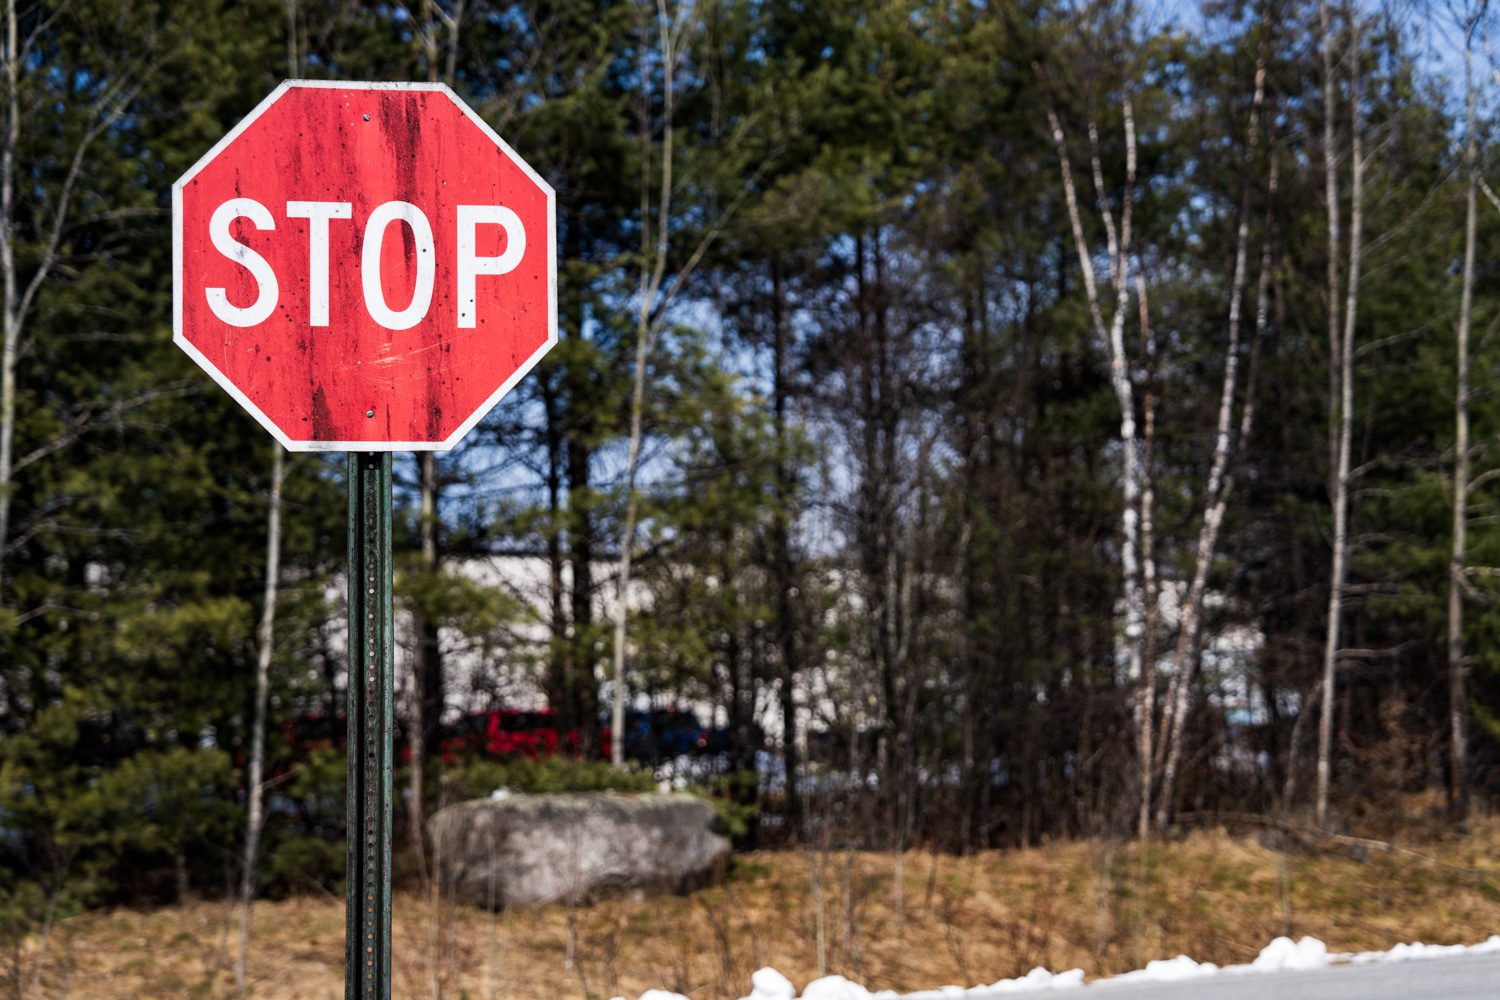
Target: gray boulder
{"points": [[531, 850]]}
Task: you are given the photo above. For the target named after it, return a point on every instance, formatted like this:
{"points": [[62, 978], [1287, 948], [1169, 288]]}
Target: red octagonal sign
{"points": [[364, 267]]}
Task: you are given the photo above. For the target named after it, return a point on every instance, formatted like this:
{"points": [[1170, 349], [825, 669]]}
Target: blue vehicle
{"points": [[663, 734]]}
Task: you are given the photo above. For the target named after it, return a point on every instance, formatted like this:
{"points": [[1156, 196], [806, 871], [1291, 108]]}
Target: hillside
{"points": [[918, 921]]}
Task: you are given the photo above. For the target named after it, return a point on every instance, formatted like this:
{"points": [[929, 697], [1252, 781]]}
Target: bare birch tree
{"points": [[265, 640], [1345, 366], [654, 295], [1215, 492], [437, 42], [1145, 693], [1458, 790], [12, 322], [670, 32], [265, 635], [17, 293], [1110, 334]]}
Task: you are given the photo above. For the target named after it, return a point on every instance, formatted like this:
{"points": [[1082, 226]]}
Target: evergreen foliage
{"points": [[880, 480]]}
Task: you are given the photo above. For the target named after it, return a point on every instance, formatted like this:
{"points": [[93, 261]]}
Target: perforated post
{"points": [[367, 944]]}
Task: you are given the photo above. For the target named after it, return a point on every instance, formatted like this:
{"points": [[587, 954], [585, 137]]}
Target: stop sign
{"points": [[364, 267]]}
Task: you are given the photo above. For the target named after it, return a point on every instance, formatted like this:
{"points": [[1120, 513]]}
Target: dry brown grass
{"points": [[1099, 906]]}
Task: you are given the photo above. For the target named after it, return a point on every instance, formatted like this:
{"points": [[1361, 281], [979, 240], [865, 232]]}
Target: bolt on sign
{"points": [[365, 268]]}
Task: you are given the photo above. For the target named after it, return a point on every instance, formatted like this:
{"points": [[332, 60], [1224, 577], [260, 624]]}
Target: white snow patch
{"points": [[1284, 953], [1165, 970], [1035, 981], [834, 988], [768, 984], [1417, 951]]}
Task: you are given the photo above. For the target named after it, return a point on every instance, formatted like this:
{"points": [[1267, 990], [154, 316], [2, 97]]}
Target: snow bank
{"points": [[1281, 955], [768, 984], [1417, 951], [1165, 970], [1035, 981]]}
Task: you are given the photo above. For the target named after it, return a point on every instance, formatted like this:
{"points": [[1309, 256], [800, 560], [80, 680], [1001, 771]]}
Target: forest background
{"points": [[1049, 419]]}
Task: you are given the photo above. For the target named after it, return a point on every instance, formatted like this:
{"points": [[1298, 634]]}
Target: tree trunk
{"points": [[17, 299], [580, 711], [576, 697], [427, 671], [180, 873], [11, 320], [1145, 692], [1215, 492], [627, 546], [293, 57], [265, 641], [557, 659], [1458, 789], [1346, 398], [650, 310], [786, 622], [432, 684], [1111, 336]]}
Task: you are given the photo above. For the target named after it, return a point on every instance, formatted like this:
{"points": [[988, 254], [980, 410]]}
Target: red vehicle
{"points": [[311, 731], [450, 747], [307, 733], [505, 732]]}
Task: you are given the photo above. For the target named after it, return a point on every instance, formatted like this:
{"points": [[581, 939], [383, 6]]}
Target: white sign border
{"points": [[287, 442]]}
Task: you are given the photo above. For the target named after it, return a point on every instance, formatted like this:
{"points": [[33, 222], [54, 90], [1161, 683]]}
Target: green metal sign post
{"points": [[367, 943]]}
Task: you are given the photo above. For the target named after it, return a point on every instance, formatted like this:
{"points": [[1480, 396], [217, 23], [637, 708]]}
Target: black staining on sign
{"points": [[400, 120], [408, 245], [322, 416]]}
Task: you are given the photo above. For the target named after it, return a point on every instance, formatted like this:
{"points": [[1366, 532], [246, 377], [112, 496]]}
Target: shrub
{"points": [[479, 778], [298, 863]]}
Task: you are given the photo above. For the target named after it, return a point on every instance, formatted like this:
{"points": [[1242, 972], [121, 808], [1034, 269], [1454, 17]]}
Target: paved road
{"points": [[1468, 977]]}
